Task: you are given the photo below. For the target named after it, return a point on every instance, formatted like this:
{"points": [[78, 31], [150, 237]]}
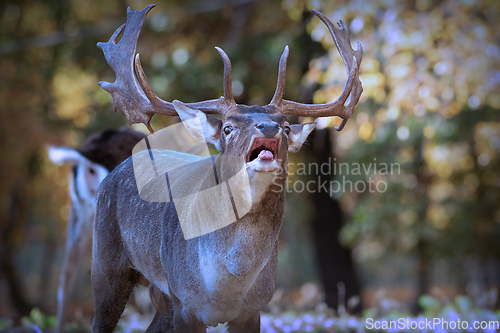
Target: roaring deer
{"points": [[100, 154], [224, 274]]}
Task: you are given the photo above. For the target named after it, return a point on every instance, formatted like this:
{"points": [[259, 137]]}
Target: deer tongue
{"points": [[265, 155]]}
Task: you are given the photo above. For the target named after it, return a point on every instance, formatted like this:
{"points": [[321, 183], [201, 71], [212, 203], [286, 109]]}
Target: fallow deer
{"points": [[100, 154], [200, 276]]}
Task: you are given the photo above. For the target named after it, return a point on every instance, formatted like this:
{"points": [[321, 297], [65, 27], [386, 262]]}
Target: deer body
{"points": [[222, 276], [200, 276], [100, 153]]}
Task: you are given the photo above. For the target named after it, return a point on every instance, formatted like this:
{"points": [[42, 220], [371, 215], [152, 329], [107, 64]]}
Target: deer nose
{"points": [[268, 129]]}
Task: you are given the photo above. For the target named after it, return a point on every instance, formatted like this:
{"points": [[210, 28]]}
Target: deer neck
{"points": [[249, 242], [261, 187], [244, 246]]}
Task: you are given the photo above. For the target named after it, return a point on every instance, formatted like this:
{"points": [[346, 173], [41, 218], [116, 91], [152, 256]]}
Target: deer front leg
{"points": [[78, 238], [251, 325], [113, 277], [185, 322], [67, 279], [163, 319], [71, 259], [111, 289]]}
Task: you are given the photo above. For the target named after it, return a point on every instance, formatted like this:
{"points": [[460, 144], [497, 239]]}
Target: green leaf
{"points": [[428, 302], [37, 317], [463, 303]]}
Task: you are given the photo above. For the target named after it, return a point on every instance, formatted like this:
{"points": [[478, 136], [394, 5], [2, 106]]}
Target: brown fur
{"points": [[109, 148]]}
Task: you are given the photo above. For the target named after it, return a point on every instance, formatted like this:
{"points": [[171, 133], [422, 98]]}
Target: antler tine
{"points": [[155, 101], [353, 88], [126, 92], [342, 40], [139, 103], [228, 88], [280, 86], [114, 38]]}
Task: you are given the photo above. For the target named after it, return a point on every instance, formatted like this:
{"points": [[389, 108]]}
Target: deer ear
{"points": [[201, 127], [298, 134]]}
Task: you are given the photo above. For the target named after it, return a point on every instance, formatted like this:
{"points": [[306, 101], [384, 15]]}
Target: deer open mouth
{"points": [[263, 149]]}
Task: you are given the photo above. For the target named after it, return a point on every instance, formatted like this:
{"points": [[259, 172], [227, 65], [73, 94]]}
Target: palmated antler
{"points": [[140, 103], [352, 90]]}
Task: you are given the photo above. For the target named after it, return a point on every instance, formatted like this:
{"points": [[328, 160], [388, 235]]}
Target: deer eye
{"points": [[287, 130], [228, 130]]}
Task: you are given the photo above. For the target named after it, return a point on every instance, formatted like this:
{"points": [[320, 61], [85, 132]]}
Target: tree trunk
{"points": [[335, 261], [7, 267], [423, 264]]}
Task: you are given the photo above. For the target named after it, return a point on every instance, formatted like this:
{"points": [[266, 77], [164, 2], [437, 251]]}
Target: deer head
{"points": [[259, 134], [100, 154]]}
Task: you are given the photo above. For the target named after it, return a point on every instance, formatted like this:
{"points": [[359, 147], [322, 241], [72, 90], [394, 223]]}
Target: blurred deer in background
{"points": [[200, 276], [99, 155]]}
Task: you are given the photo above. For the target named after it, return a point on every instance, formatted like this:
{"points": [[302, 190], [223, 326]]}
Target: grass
{"points": [[320, 319]]}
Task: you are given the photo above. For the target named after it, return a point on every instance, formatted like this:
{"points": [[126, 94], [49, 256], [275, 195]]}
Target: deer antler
{"points": [[140, 103], [280, 87], [352, 90], [228, 89]]}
